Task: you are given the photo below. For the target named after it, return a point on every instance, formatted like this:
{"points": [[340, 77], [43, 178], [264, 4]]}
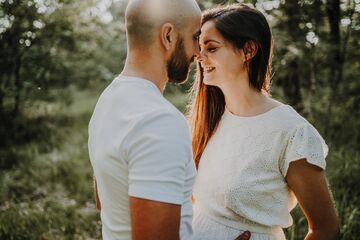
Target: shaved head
{"points": [[145, 17]]}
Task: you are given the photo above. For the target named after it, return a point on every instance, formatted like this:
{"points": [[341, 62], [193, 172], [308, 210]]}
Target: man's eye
{"points": [[196, 37]]}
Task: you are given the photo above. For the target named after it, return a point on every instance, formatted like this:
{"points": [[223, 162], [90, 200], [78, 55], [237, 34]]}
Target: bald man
{"points": [[139, 144]]}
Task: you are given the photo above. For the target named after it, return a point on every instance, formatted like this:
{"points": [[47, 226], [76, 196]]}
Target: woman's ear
{"points": [[167, 35], [250, 49]]}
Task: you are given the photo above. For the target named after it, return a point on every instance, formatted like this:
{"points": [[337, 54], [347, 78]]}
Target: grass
{"points": [[48, 194]]}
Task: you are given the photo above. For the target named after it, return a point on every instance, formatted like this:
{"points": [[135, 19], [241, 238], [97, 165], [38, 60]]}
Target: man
{"points": [[139, 144]]}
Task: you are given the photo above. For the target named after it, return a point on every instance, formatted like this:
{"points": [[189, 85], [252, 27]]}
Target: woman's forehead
{"points": [[209, 33]]}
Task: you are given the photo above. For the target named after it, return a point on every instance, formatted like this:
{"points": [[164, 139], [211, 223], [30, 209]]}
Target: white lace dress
{"points": [[241, 178]]}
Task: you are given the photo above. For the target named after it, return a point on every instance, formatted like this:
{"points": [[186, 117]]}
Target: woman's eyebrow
{"points": [[211, 40]]}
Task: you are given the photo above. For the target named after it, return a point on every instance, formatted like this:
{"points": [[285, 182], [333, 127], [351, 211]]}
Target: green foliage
{"points": [[50, 45], [50, 195], [50, 221]]}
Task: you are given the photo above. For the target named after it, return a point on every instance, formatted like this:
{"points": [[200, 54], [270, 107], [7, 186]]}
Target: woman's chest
{"points": [[242, 161]]}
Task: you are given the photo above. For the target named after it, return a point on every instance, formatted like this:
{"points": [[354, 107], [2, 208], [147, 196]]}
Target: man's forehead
{"points": [[195, 24]]}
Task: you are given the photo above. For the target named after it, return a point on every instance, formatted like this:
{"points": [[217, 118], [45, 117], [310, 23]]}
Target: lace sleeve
{"points": [[304, 143]]}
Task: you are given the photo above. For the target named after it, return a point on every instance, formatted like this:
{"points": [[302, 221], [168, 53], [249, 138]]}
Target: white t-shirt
{"points": [[139, 145], [241, 177]]}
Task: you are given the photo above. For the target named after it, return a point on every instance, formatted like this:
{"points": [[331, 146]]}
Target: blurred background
{"points": [[56, 56]]}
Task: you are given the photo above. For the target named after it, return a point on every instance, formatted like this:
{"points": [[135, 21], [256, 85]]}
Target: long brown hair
{"points": [[238, 24]]}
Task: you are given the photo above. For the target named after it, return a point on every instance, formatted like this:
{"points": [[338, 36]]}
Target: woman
{"points": [[255, 156]]}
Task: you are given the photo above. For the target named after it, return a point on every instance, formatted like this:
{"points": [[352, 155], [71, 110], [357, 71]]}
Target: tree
{"points": [[47, 46]]}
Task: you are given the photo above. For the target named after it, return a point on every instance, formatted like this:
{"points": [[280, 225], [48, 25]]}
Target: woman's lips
{"points": [[209, 69]]}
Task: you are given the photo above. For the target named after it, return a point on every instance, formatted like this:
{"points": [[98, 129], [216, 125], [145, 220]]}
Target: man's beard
{"points": [[178, 65]]}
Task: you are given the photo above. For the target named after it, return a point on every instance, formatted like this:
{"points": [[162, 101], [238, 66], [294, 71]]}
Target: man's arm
{"points": [[154, 220], [97, 200], [158, 153]]}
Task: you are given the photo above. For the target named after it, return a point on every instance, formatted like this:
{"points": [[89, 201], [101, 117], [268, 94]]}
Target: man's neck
{"points": [[149, 68]]}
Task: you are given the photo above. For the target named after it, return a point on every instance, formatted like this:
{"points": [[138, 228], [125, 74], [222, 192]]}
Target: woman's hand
{"points": [[308, 182], [244, 236]]}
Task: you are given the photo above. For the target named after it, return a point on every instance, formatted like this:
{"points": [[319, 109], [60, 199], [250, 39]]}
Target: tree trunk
{"points": [[291, 86], [335, 58], [2, 95], [345, 39], [18, 87], [292, 82], [312, 88]]}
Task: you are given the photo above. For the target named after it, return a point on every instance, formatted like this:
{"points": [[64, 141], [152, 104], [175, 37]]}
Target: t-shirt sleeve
{"points": [[159, 151], [304, 143]]}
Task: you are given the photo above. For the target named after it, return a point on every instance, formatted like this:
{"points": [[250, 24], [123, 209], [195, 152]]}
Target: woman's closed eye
{"points": [[211, 49]]}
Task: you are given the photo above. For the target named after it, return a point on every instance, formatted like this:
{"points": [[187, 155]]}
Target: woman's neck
{"points": [[243, 100]]}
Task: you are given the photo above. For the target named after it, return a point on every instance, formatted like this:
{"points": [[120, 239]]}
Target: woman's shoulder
{"points": [[287, 118], [297, 129]]}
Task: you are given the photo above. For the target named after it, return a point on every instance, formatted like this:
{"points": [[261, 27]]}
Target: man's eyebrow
{"points": [[197, 34]]}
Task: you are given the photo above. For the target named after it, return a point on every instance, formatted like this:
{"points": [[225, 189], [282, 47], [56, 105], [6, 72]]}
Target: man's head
{"points": [[171, 27]]}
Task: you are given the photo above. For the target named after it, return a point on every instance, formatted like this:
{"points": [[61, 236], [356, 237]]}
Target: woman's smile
{"points": [[208, 69]]}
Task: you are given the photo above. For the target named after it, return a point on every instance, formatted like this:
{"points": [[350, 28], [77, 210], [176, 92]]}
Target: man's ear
{"points": [[250, 49], [167, 35]]}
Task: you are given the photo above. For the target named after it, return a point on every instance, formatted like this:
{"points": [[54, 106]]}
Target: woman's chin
{"points": [[209, 82]]}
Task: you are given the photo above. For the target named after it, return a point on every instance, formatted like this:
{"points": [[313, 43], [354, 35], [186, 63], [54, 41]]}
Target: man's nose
{"points": [[197, 51], [200, 56]]}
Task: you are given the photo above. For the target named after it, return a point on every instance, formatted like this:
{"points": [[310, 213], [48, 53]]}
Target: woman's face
{"points": [[221, 61]]}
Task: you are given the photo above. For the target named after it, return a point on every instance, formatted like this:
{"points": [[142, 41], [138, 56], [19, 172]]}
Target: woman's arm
{"points": [[308, 182]]}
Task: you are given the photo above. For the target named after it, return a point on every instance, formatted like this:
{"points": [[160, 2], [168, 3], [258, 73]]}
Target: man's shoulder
{"points": [[162, 121], [165, 117], [148, 99], [132, 95]]}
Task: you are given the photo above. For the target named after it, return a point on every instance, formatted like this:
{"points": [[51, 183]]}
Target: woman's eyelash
{"points": [[208, 49], [211, 49]]}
